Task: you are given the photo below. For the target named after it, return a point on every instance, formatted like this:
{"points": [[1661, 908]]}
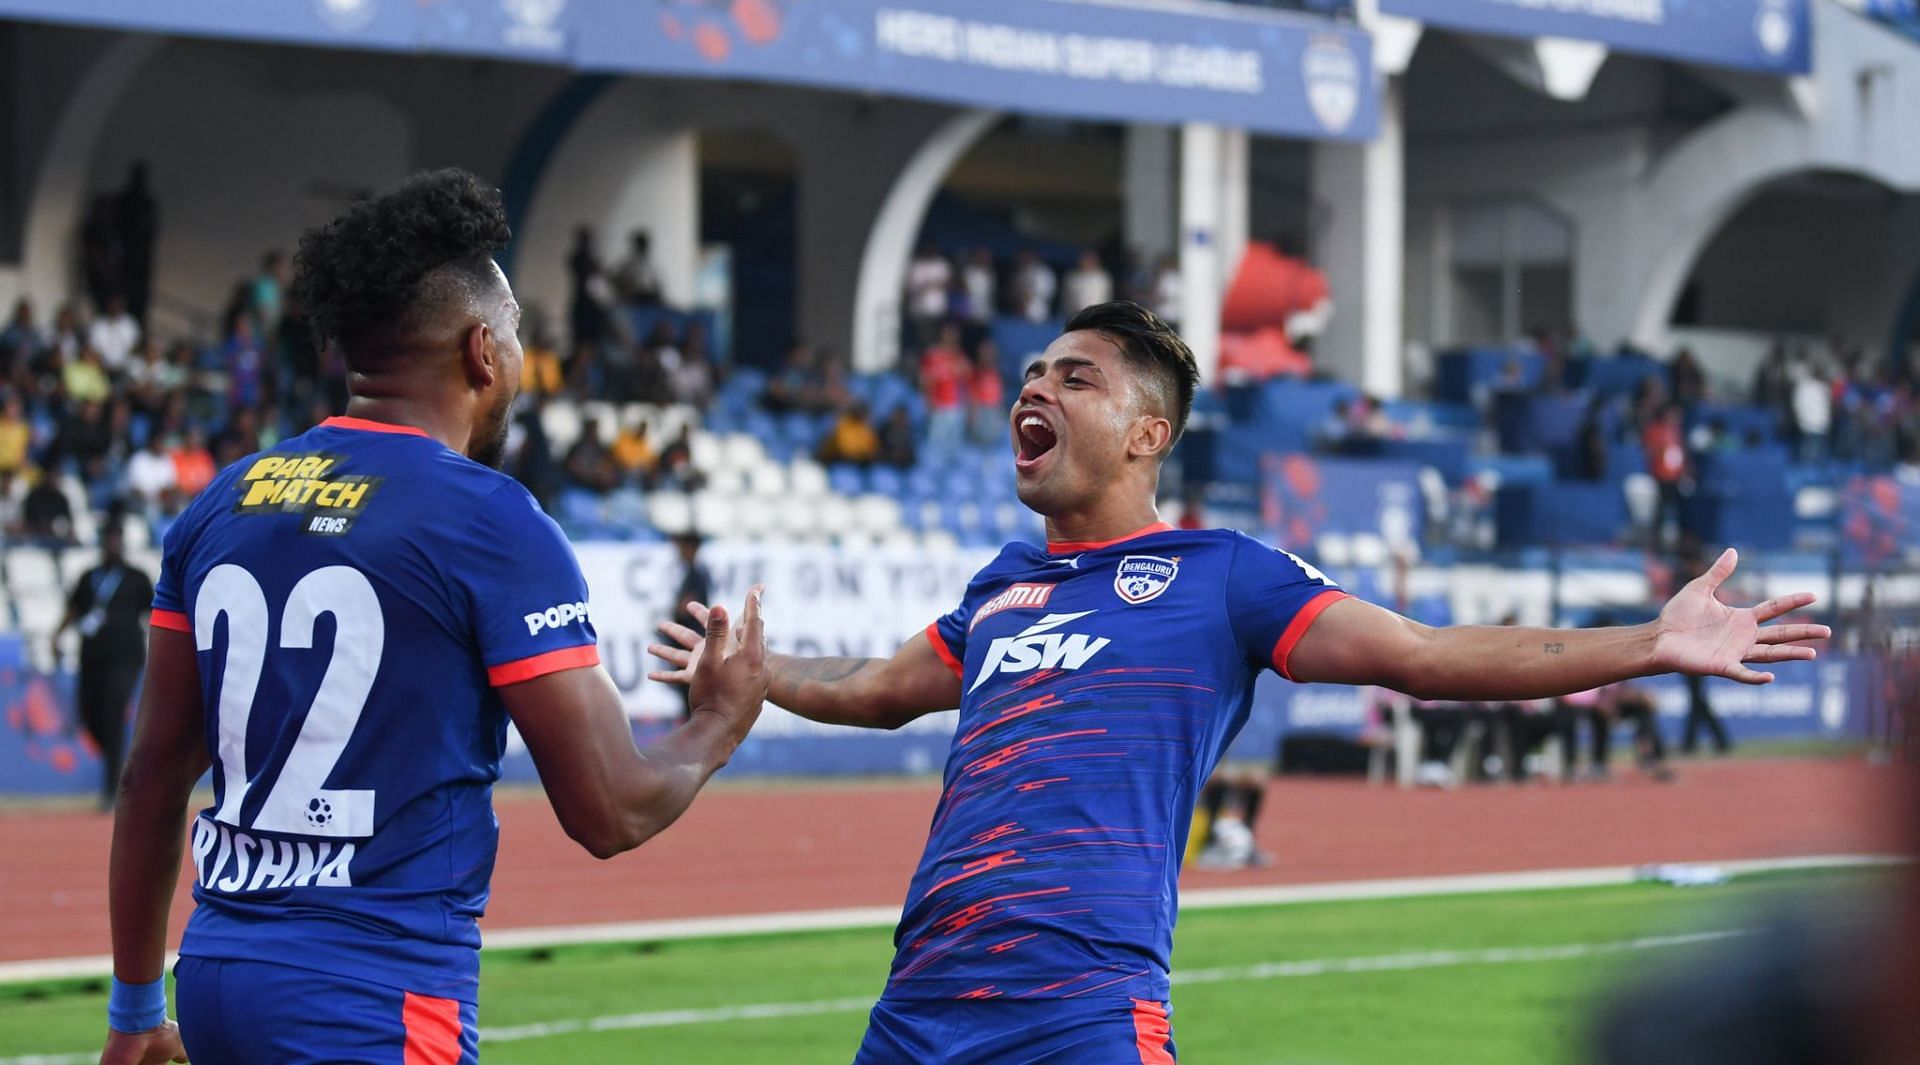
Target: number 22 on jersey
{"points": [[298, 803]]}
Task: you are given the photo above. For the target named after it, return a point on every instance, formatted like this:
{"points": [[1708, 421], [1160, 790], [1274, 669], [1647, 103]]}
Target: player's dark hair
{"points": [[1149, 344], [363, 278]]}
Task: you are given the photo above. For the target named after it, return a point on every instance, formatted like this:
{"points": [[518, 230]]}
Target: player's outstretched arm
{"points": [[609, 795], [149, 826], [1356, 643], [863, 692]]}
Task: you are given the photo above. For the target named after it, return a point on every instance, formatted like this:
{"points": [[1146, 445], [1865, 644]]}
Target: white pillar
{"points": [[1152, 219], [1201, 294], [1361, 189], [1236, 174]]}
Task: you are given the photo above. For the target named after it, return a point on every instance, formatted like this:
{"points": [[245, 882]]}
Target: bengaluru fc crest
{"points": [[1141, 578]]}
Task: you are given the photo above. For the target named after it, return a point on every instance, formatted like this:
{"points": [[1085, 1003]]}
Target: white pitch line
{"points": [[885, 916], [1283, 970], [1434, 959]]}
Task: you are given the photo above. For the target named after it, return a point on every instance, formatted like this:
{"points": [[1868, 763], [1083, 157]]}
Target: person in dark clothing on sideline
{"points": [[1699, 711], [696, 586], [109, 606]]}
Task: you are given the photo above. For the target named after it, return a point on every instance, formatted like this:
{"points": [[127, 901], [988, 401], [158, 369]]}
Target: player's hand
{"points": [[155, 1047], [1697, 633], [685, 658], [731, 677]]}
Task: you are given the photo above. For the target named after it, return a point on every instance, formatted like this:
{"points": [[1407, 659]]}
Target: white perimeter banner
{"points": [[820, 600]]}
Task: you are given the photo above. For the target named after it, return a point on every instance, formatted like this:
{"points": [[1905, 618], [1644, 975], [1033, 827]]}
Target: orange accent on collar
{"points": [[362, 424], [1075, 548]]}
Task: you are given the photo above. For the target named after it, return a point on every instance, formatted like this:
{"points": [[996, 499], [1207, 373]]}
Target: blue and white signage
{"points": [[1767, 36]]}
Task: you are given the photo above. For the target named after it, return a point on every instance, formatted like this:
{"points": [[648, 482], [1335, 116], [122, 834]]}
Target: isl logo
{"points": [[534, 23], [1142, 578], [1332, 74], [1773, 27]]}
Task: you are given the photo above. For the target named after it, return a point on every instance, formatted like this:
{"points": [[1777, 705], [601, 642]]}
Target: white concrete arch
{"points": [[1697, 190], [889, 243], [58, 197]]}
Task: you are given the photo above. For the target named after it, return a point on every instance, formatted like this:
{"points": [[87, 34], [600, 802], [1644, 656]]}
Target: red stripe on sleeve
{"points": [[540, 665], [433, 1030], [1298, 627], [940, 648], [172, 619]]}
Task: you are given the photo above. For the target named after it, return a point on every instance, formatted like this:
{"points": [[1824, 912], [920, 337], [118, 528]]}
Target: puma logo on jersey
{"points": [[1039, 647]]}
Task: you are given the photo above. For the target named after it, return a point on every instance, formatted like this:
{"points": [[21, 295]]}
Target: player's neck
{"points": [[447, 428], [1103, 523]]}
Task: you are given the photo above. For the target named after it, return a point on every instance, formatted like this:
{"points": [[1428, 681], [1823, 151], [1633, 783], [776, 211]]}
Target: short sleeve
{"points": [[526, 595], [169, 594], [1272, 599], [948, 634]]}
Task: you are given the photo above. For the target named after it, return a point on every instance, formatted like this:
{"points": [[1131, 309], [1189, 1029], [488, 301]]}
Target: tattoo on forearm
{"points": [[1553, 648], [828, 669]]}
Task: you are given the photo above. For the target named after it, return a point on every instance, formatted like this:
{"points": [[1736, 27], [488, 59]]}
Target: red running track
{"points": [[754, 848]]}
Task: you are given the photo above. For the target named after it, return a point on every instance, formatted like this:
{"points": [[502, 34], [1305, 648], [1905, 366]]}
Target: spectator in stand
{"points": [[541, 373], [945, 373], [897, 445], [799, 386], [15, 435], [1167, 291], [299, 356], [696, 586], [13, 492], [981, 284], [151, 478], [114, 334], [1088, 285], [533, 464], [1665, 444], [589, 464], [101, 255], [193, 467], [1688, 380], [239, 439], [246, 366], [85, 379], [67, 341], [45, 515], [23, 340], [692, 379], [137, 221], [633, 453], [84, 438], [852, 438], [1033, 288], [676, 469], [1811, 402], [587, 302], [266, 295], [987, 390], [928, 276], [636, 283]]}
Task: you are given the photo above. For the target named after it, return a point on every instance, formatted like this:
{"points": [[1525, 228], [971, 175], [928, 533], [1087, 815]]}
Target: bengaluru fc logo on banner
{"points": [[1332, 73], [1141, 578]]}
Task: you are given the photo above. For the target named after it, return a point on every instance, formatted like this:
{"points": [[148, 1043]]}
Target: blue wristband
{"points": [[133, 1008]]}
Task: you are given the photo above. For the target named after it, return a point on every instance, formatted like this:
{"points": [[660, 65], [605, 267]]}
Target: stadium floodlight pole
{"points": [[1099, 680]]}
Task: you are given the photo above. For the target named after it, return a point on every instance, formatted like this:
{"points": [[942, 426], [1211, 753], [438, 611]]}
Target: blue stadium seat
{"points": [[846, 480], [887, 481]]}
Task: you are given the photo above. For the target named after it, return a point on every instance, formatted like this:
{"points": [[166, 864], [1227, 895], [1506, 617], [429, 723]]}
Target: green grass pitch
{"points": [[1461, 1007]]}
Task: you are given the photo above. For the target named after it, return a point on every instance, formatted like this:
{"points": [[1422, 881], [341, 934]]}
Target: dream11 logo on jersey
{"points": [[1039, 646]]}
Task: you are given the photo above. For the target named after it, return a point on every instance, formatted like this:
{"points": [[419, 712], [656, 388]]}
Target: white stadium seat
{"points": [[1333, 549], [767, 480], [741, 450], [75, 562], [670, 512], [797, 518], [704, 448], [31, 571], [876, 514], [715, 516], [808, 478], [561, 422]]}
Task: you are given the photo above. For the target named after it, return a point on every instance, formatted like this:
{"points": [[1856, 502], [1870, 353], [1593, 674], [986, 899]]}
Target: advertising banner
{"points": [[1767, 36]]}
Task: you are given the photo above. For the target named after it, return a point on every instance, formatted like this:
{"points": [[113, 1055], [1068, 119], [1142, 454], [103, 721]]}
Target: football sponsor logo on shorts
{"points": [[1141, 578], [1023, 596], [307, 484]]}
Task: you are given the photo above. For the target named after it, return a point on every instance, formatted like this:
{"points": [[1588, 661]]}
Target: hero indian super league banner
{"points": [[1262, 70], [1768, 36]]}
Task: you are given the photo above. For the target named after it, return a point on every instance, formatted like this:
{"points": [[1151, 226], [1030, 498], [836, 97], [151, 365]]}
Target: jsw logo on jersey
{"points": [[558, 616], [1038, 647]]}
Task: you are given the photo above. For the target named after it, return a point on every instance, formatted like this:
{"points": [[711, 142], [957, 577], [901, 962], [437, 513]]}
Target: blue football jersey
{"points": [[1101, 684], [356, 595]]}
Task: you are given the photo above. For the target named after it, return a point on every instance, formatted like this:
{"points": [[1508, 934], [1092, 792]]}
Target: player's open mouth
{"points": [[1033, 438]]}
